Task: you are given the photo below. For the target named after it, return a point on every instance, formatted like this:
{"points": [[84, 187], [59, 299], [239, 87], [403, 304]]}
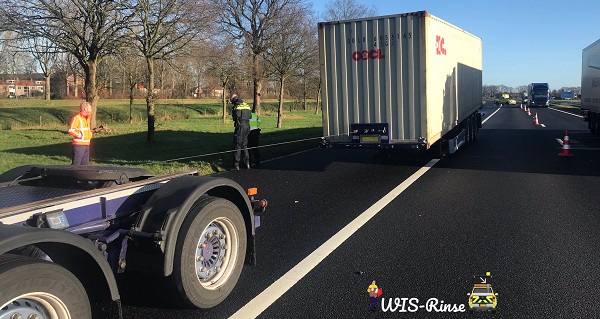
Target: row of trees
{"points": [[226, 42]]}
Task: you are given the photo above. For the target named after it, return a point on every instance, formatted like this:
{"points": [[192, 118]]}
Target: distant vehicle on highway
{"points": [[567, 95], [502, 99], [539, 95]]}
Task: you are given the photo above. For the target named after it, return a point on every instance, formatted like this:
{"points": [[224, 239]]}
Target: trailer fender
{"points": [[76, 254], [164, 213]]}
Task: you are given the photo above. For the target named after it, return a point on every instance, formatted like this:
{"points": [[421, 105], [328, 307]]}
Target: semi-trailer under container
{"points": [[399, 81]]}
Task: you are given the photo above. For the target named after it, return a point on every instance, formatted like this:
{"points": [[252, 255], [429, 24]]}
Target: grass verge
{"points": [[189, 134]]}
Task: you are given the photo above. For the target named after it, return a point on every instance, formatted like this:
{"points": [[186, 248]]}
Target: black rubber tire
{"points": [[185, 279], [468, 128], [21, 275], [475, 126]]}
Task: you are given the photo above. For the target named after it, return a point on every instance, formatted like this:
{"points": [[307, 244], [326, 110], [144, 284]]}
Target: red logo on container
{"points": [[439, 45], [366, 55]]}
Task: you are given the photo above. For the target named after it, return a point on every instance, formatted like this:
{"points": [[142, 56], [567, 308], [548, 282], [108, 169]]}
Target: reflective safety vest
{"points": [[242, 111], [254, 120], [80, 130]]}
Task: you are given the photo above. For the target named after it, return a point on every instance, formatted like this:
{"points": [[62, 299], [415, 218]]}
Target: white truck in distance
{"points": [[406, 81]]}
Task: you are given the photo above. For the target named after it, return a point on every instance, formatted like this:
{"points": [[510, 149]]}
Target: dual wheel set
{"points": [[208, 261]]}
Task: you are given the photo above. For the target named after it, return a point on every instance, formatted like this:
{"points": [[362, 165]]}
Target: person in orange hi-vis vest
{"points": [[82, 135]]}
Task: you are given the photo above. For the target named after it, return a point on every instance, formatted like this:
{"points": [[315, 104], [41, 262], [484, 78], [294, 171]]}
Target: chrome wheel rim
{"points": [[38, 305], [216, 253]]}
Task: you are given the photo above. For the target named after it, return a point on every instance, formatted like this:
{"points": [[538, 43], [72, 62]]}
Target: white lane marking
{"points": [[261, 302], [487, 118], [559, 141], [580, 116], [542, 125]]}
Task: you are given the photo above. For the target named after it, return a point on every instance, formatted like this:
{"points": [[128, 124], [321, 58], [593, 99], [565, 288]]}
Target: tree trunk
{"points": [[304, 94], [75, 88], [131, 95], [91, 91], [318, 96], [223, 97], [280, 110], [47, 87], [67, 83], [257, 84], [110, 86], [150, 99], [123, 85]]}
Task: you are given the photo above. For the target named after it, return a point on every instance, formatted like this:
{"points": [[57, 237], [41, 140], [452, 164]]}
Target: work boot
{"points": [[236, 167], [247, 165]]}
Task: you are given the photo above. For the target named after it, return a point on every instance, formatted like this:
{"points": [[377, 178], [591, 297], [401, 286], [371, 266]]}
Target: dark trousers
{"points": [[373, 303], [81, 155], [240, 141], [253, 144]]}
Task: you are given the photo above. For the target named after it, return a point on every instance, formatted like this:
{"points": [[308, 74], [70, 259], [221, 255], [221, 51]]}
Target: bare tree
{"points": [[347, 9], [254, 22], [165, 28], [90, 30], [223, 65], [288, 51], [133, 67], [46, 54]]}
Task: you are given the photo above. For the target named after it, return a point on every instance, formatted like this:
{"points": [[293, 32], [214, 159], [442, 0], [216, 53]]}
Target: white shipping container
{"points": [[590, 77], [416, 73]]}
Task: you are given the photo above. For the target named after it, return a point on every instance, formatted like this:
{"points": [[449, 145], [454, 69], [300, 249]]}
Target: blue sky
{"points": [[523, 41]]}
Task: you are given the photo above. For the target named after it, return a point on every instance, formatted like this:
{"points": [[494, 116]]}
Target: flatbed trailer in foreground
{"points": [[65, 231]]}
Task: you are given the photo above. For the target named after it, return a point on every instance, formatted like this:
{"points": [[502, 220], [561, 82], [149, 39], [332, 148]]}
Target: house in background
{"points": [[22, 85], [210, 92]]}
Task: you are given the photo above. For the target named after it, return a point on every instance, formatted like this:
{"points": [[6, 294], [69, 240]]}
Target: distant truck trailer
{"points": [[567, 95], [406, 81], [590, 86]]}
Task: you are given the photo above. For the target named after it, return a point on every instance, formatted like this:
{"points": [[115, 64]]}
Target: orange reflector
{"points": [[252, 191]]}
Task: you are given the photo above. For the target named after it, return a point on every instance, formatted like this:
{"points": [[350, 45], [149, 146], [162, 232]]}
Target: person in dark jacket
{"points": [[241, 113]]}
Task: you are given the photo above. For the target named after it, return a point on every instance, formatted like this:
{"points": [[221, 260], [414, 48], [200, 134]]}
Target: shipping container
{"points": [[590, 86], [399, 81]]}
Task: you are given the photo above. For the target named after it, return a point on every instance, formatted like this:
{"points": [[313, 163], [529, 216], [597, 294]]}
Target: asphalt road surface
{"points": [[422, 228]]}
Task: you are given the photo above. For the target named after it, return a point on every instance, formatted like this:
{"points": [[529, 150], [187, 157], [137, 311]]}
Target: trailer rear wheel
{"points": [[210, 253], [34, 288]]}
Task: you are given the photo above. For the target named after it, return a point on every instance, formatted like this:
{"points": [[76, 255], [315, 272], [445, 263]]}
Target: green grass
{"points": [[189, 134], [566, 107]]}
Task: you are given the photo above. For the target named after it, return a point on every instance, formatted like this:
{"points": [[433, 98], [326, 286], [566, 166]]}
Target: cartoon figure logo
{"points": [[374, 294]]}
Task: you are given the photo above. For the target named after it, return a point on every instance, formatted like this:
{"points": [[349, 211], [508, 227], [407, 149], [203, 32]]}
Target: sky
{"points": [[523, 41]]}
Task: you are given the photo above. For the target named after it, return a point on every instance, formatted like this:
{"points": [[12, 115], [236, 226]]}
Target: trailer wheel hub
{"points": [[213, 253]]}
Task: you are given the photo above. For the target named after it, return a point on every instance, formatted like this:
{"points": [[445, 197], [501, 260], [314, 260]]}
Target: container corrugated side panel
{"points": [[454, 82], [590, 77], [373, 71]]}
